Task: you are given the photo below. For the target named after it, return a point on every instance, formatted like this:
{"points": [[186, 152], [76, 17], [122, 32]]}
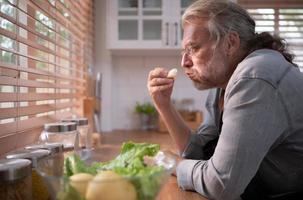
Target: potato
{"points": [[172, 73], [108, 185], [80, 182]]}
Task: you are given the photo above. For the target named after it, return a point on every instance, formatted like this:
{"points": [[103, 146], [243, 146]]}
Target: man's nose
{"points": [[186, 61]]}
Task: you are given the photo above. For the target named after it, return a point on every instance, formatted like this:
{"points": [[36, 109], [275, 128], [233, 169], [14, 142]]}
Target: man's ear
{"points": [[232, 43]]}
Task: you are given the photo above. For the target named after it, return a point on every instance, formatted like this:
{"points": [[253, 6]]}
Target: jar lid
{"points": [[33, 155], [14, 169], [60, 127], [80, 121], [52, 147]]}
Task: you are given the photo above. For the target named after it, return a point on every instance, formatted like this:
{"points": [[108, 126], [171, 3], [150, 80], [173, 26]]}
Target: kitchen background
{"points": [[55, 55], [137, 40]]}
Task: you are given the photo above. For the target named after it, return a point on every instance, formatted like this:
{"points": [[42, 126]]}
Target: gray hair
{"points": [[223, 16]]}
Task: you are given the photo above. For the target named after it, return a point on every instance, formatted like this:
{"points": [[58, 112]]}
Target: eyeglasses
{"points": [[190, 50]]}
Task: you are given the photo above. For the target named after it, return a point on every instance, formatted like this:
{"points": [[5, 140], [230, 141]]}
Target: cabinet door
{"points": [[145, 24], [176, 9], [183, 4], [152, 12], [135, 24], [170, 30], [127, 21]]}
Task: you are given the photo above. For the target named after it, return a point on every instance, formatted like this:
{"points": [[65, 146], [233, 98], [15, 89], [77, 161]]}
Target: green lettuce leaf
{"points": [[131, 156], [74, 165], [129, 164], [68, 193]]}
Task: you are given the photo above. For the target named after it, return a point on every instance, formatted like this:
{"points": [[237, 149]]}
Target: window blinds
{"points": [[45, 49], [280, 17]]}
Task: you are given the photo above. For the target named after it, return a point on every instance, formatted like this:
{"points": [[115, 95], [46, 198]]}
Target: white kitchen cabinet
{"points": [[145, 24]]}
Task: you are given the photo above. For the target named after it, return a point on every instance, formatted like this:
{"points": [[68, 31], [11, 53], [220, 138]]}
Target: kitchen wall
{"points": [[129, 86], [124, 79]]}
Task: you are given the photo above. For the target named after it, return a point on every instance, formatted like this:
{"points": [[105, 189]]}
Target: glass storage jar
{"points": [[85, 136], [62, 132], [39, 189], [53, 147], [15, 179]]}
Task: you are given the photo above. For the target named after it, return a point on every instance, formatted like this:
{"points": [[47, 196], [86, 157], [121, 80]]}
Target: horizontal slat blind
{"points": [[283, 18], [45, 49]]}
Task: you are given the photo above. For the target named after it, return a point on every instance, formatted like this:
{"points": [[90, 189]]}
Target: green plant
{"points": [[145, 108]]}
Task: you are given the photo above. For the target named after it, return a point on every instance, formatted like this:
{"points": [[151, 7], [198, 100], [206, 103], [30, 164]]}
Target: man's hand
{"points": [[164, 158], [160, 87], [178, 160], [174, 156]]}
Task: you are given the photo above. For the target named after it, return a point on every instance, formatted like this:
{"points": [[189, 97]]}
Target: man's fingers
{"points": [[157, 73], [160, 88], [160, 81]]}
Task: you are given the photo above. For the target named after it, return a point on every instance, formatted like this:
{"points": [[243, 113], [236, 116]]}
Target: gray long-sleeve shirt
{"points": [[262, 132]]}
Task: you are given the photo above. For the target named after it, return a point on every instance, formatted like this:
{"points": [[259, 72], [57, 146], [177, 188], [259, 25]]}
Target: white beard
{"points": [[215, 79]]}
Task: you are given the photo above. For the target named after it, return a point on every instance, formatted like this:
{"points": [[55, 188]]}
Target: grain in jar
{"points": [[39, 189], [15, 179], [55, 149]]}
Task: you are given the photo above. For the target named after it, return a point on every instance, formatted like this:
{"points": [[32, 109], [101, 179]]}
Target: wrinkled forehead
{"points": [[195, 31]]}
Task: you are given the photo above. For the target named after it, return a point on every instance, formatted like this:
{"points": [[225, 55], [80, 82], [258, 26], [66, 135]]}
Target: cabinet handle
{"points": [[167, 33], [176, 33]]}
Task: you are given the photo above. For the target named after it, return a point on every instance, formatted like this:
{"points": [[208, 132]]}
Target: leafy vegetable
{"points": [[74, 165], [129, 164], [68, 192], [131, 156]]}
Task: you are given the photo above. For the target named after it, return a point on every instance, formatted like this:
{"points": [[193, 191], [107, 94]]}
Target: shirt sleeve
{"points": [[208, 130], [253, 119]]}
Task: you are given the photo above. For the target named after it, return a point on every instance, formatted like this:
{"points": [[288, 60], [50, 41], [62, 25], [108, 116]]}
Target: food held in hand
{"points": [[80, 182], [172, 73], [110, 186]]}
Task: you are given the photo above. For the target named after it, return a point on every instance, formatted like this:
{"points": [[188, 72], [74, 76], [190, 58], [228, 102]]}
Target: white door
{"points": [[145, 24]]}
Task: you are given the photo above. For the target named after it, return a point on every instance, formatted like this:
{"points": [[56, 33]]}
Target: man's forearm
{"points": [[176, 126]]}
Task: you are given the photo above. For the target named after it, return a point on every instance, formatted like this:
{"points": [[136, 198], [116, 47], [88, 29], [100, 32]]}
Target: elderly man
{"points": [[250, 144]]}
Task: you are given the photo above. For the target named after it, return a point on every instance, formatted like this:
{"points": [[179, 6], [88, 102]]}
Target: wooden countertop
{"points": [[170, 191]]}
